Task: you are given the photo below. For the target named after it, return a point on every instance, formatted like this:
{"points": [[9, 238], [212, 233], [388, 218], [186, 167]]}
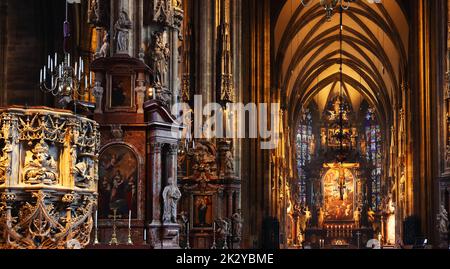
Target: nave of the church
{"points": [[224, 124]]}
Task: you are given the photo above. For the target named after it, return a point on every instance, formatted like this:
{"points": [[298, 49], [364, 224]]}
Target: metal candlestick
{"points": [[114, 234], [96, 242], [225, 245], [358, 235], [214, 246], [187, 236], [129, 242]]}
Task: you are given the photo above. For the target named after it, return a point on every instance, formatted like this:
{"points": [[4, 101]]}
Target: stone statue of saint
{"points": [[98, 94], [237, 224], [229, 167], [122, 28], [104, 50], [442, 219], [171, 195], [160, 58]]}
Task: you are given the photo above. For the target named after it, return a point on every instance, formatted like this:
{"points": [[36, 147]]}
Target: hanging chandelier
{"points": [[63, 80], [330, 5]]}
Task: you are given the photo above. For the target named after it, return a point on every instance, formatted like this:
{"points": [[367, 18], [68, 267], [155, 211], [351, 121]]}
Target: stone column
{"points": [[172, 159], [156, 190], [206, 68]]}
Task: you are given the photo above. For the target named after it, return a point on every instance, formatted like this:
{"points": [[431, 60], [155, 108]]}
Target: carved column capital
{"points": [[156, 147]]}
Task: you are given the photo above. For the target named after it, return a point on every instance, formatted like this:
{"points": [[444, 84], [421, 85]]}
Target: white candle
{"points": [[96, 219], [76, 69], [60, 71], [40, 76], [45, 72], [129, 219], [56, 59], [51, 65], [145, 235], [48, 61], [85, 82]]}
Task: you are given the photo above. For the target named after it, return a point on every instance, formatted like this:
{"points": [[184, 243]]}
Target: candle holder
{"points": [[214, 246], [188, 246], [129, 242], [96, 242], [114, 234]]}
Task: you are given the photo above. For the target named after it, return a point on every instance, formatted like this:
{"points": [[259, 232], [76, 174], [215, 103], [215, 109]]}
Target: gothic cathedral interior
{"points": [[224, 124]]}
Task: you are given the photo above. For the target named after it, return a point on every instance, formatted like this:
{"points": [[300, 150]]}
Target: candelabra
{"points": [[62, 79], [114, 233], [331, 5], [96, 242]]}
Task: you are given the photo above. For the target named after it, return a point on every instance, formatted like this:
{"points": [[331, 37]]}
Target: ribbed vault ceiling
{"points": [[307, 53]]}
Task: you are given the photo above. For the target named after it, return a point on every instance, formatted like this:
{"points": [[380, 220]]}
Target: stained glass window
{"points": [[374, 155], [304, 137]]}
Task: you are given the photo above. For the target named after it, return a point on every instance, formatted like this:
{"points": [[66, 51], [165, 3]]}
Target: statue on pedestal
{"points": [[237, 224], [104, 50], [160, 58], [98, 94], [442, 220], [171, 195], [122, 28]]}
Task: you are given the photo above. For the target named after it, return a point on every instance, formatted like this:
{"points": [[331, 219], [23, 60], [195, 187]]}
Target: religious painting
{"points": [[339, 195], [203, 211], [118, 175], [121, 93]]}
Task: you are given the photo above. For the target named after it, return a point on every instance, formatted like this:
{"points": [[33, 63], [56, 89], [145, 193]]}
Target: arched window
{"points": [[304, 139], [373, 156]]}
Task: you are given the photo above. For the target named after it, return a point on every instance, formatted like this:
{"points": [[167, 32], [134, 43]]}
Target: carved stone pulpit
{"points": [[48, 178]]}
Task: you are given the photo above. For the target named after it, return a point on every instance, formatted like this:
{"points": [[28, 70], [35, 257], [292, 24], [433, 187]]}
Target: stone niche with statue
{"points": [[48, 178]]}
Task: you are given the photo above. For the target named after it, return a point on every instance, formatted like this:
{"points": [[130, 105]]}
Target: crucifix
{"points": [[341, 167]]}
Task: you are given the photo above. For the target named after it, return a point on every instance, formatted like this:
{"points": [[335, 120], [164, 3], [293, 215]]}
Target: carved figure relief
{"points": [[40, 166], [204, 158], [160, 59], [4, 164]]}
